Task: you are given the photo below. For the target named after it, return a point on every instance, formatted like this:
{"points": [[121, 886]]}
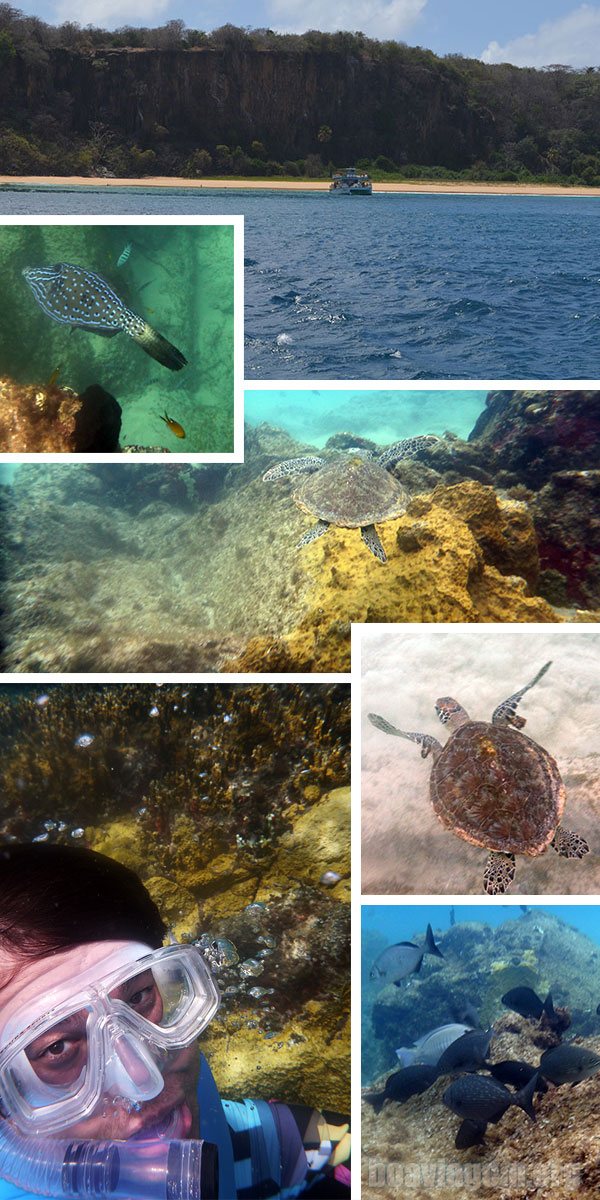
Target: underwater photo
{"points": [[231, 803], [480, 1029], [480, 759], [435, 506], [120, 339]]}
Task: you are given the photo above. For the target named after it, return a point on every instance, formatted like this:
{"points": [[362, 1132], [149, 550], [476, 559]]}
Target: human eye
{"points": [[59, 1055], [143, 995]]}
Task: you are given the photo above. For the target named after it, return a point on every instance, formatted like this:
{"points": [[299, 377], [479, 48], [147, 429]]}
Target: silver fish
{"points": [[79, 298], [124, 255], [400, 960], [429, 1047]]}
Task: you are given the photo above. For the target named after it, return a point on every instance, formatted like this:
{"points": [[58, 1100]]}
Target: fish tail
{"points": [[430, 946], [524, 1098], [376, 1099], [158, 347], [549, 1006]]}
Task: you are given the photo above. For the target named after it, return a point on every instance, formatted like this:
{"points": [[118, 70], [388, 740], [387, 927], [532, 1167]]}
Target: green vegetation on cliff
{"points": [[257, 103]]}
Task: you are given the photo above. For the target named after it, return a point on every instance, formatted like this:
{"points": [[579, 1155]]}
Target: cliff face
{"points": [[200, 97]]}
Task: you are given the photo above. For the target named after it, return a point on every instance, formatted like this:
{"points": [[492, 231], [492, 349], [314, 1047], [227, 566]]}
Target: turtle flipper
{"points": [[317, 531], [425, 740], [499, 873], [569, 844], [407, 448], [505, 713], [293, 466], [371, 539]]}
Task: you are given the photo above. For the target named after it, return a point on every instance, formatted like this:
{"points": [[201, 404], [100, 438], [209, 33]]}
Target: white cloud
{"points": [[573, 40], [111, 14], [374, 17]]}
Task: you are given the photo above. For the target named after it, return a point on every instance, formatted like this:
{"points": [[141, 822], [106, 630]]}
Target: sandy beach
{"points": [[425, 187]]}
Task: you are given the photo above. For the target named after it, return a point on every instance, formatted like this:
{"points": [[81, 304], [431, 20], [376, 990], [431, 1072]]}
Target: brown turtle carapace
{"points": [[495, 787]]}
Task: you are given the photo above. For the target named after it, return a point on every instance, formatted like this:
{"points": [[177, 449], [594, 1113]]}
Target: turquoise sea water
{"points": [[384, 416], [398, 287], [399, 922]]}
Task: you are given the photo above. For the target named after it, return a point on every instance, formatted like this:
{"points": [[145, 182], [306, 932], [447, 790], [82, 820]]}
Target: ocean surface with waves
{"points": [[397, 287]]}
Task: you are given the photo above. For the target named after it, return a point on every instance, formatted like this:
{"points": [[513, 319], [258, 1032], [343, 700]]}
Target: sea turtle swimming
{"points": [[354, 489], [495, 787]]}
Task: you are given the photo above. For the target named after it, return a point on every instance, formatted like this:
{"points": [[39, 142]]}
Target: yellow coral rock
{"points": [[457, 554], [318, 842], [306, 1062]]}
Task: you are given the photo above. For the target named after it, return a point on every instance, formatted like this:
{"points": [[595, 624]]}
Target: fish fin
{"points": [[105, 333], [418, 966], [549, 1006], [430, 946], [524, 1098], [470, 1133], [159, 348], [398, 982], [375, 1099]]}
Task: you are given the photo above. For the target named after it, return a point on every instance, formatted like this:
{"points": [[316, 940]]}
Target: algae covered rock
{"points": [[534, 434], [437, 570], [48, 418], [565, 512]]}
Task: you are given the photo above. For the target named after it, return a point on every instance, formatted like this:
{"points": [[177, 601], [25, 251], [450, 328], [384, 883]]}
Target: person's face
{"points": [[60, 1054]]}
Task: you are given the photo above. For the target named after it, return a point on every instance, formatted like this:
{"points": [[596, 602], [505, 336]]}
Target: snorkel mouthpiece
{"points": [[134, 1170]]}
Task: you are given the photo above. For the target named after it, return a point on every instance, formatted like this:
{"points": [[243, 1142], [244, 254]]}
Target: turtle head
{"points": [[451, 713]]}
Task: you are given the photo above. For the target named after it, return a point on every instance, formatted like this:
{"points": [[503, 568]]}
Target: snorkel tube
{"points": [[136, 1170]]}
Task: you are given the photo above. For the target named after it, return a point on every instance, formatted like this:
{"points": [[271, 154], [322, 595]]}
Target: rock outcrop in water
{"points": [[458, 554], [549, 443], [42, 418]]}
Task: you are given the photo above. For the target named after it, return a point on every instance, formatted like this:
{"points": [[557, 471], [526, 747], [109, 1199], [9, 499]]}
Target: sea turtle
{"points": [[495, 787], [353, 489]]}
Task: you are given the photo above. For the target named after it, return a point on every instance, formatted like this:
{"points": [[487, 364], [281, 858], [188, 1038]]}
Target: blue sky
{"points": [[533, 33]]}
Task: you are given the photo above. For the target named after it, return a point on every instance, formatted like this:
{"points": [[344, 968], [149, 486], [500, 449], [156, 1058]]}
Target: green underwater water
{"points": [[179, 279]]}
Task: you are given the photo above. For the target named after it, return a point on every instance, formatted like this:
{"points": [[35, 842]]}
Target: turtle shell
{"points": [[352, 492], [496, 788]]}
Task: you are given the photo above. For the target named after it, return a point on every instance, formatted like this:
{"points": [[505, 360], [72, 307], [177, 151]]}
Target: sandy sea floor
{"points": [[404, 671]]}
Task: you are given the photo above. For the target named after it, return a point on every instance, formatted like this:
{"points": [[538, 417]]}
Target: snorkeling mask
{"points": [[103, 1035]]}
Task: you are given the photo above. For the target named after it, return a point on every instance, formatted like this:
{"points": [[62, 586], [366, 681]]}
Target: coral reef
{"points": [[565, 512], [443, 564], [49, 418], [407, 1139], [534, 434], [232, 803]]}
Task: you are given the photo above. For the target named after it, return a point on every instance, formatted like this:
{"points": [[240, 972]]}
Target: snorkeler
{"points": [[102, 1089]]}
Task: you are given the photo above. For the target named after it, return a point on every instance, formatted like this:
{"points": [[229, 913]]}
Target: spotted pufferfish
{"points": [[79, 298]]}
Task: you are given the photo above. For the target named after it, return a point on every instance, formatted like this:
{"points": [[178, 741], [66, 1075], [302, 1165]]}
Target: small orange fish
{"points": [[174, 426], [54, 376]]}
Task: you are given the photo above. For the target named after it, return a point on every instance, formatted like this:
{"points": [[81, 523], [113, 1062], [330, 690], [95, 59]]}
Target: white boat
{"points": [[350, 182]]}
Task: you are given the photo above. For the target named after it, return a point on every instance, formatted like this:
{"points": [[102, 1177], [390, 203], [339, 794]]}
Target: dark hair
{"points": [[56, 897]]}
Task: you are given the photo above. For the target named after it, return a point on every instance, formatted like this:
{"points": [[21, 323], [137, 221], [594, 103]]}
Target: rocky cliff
{"points": [[411, 111]]}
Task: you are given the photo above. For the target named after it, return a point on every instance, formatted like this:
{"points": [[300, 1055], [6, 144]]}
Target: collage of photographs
{"points": [[299, 600]]}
